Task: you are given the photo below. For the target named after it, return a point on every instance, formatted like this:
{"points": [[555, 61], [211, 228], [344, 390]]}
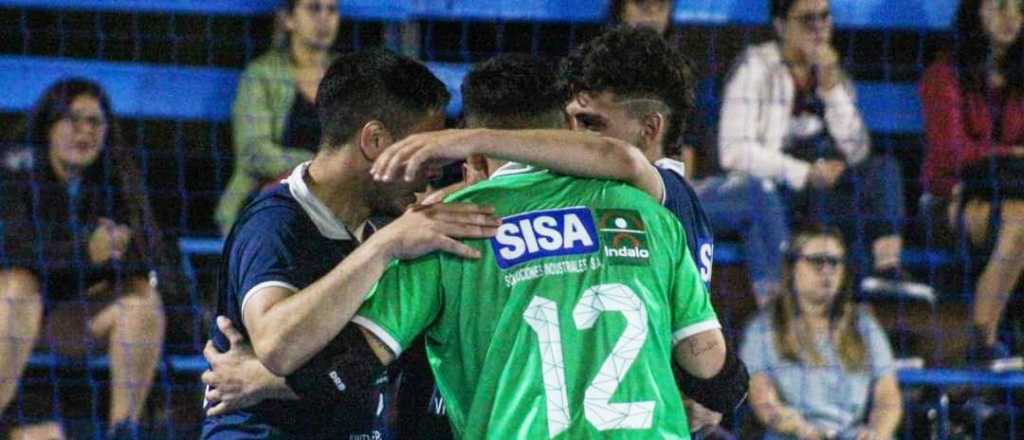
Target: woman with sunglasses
{"points": [[973, 100], [274, 121], [789, 116], [816, 358]]}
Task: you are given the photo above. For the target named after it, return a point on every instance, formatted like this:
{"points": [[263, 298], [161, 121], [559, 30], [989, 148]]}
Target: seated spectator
{"points": [[973, 100], [735, 204], [789, 116], [274, 120], [816, 359], [78, 256]]}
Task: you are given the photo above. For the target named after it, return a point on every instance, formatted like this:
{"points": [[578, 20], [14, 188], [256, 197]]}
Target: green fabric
{"points": [[266, 92], [494, 336]]}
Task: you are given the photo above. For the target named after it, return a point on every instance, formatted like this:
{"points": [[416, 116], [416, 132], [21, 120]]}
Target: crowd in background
{"points": [[83, 251]]}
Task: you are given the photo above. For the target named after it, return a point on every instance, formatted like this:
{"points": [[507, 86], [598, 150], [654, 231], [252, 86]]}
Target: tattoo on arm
{"points": [[697, 350]]}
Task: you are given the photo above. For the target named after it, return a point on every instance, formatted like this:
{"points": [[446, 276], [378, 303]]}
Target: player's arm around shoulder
{"points": [[289, 327], [567, 152]]}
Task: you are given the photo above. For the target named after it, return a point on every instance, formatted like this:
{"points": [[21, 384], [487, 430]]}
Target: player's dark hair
{"points": [[375, 84], [780, 8], [514, 91], [635, 63], [973, 49]]}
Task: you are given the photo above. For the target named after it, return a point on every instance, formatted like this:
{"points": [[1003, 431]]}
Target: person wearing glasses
{"points": [[274, 122], [79, 260], [789, 116], [816, 358]]}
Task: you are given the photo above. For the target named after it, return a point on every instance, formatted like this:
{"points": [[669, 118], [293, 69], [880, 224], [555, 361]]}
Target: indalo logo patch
{"points": [[623, 236]]}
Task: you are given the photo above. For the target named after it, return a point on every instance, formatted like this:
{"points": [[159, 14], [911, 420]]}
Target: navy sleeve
{"points": [[681, 199], [259, 251], [264, 255]]}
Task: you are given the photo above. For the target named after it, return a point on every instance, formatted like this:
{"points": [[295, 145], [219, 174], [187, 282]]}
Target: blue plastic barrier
{"points": [[137, 90]]}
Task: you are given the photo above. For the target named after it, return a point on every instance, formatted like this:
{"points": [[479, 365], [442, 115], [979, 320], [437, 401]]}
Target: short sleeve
{"points": [[756, 346], [881, 357], [692, 312], [682, 201], [260, 257], [404, 302]]}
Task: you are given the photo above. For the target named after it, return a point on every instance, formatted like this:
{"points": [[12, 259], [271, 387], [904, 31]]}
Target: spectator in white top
{"points": [[789, 116]]}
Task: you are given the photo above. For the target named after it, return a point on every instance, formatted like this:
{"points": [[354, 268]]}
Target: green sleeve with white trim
{"points": [[692, 311], [405, 301]]}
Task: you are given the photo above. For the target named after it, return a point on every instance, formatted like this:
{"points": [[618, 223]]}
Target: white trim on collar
{"points": [[511, 168], [323, 218]]}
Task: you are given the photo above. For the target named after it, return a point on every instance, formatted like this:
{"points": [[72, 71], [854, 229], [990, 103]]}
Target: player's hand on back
{"points": [[236, 378], [425, 228], [405, 158]]}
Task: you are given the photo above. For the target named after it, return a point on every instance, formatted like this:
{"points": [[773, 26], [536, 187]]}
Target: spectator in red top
{"points": [[974, 119]]}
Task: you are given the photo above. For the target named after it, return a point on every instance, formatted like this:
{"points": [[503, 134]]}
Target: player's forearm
{"points": [[576, 154], [305, 322]]}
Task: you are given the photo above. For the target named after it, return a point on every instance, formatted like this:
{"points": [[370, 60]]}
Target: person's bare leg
{"points": [[21, 311], [134, 326], [42, 431], [1002, 272]]}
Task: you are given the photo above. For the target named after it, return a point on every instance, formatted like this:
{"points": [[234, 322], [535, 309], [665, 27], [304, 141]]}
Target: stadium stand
{"points": [[188, 96]]}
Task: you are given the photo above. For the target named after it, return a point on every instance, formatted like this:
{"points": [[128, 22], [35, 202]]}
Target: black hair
{"points": [[54, 105], [375, 84], [972, 50], [780, 8], [514, 91], [635, 63]]}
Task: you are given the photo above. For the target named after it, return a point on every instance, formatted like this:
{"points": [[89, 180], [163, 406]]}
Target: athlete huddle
{"points": [[557, 307]]}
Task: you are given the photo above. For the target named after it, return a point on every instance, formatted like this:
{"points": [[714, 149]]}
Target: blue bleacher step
{"points": [[178, 363]]}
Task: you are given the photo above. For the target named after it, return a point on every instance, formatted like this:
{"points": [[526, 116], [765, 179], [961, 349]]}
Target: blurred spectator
{"points": [[736, 204], [816, 358], [973, 101], [79, 248], [789, 116], [274, 120], [654, 14]]}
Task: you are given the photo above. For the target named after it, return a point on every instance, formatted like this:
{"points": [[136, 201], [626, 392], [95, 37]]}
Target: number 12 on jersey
{"points": [[542, 316]]}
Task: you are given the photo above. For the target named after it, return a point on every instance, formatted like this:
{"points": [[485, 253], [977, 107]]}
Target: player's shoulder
{"points": [[272, 213]]}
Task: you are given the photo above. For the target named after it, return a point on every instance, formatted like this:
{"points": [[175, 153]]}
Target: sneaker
{"points": [[995, 357], [894, 283]]}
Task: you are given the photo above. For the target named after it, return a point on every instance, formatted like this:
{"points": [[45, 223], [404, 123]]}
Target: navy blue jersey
{"points": [[282, 238], [681, 199]]}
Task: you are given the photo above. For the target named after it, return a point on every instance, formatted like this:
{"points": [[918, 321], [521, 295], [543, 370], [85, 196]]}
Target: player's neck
{"points": [[340, 183]]}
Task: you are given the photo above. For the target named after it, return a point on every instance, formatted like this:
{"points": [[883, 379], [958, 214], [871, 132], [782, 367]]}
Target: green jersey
{"points": [[565, 327]]}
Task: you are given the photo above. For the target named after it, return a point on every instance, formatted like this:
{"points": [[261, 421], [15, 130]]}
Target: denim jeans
{"points": [[747, 206], [865, 204]]}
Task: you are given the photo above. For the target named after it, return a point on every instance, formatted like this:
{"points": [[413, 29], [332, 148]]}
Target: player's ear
{"points": [[653, 127], [475, 169], [373, 138]]}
